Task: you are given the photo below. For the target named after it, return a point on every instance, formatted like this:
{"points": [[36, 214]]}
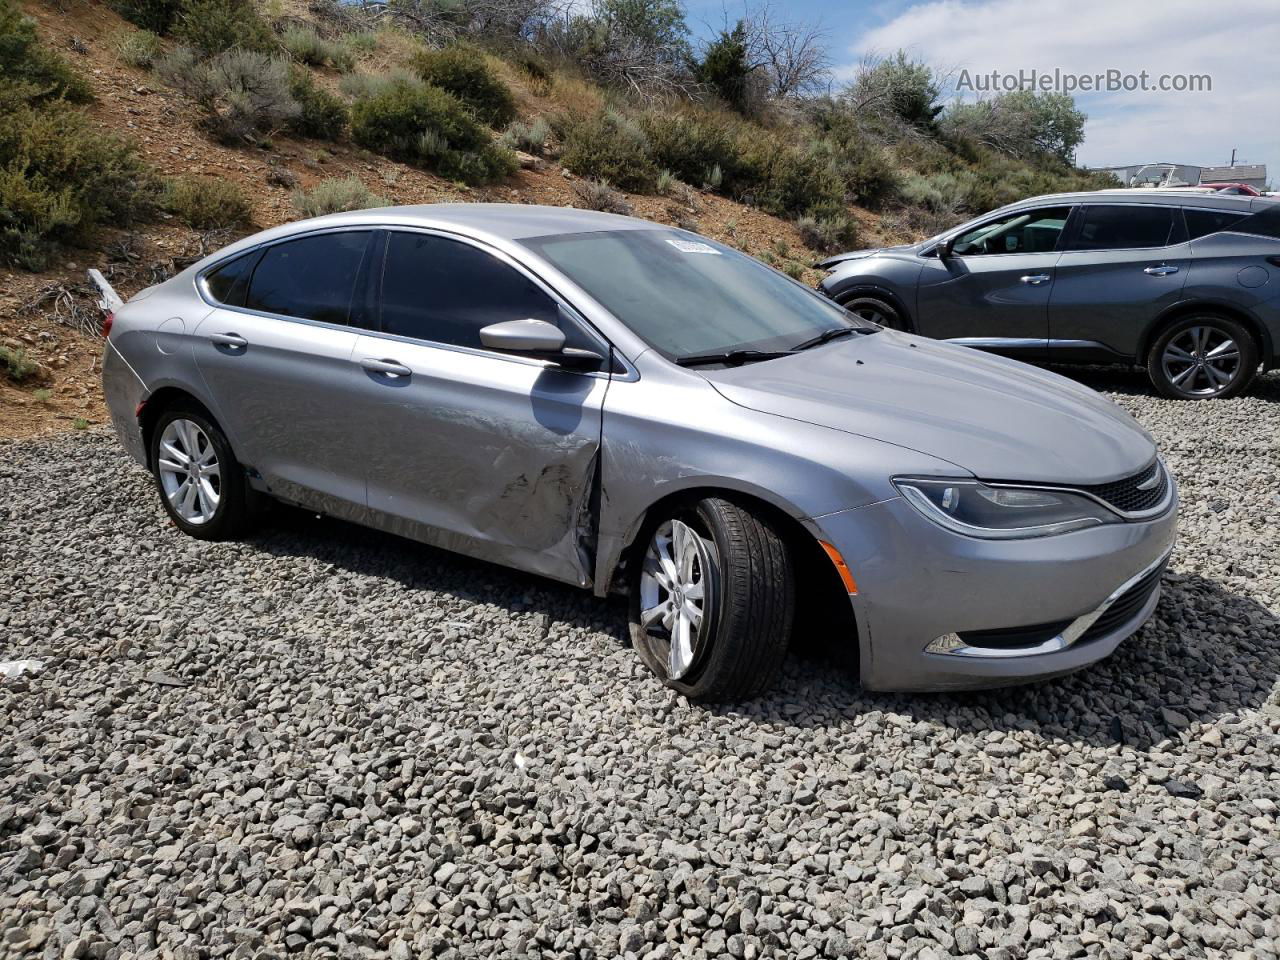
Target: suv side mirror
{"points": [[946, 248], [537, 338]]}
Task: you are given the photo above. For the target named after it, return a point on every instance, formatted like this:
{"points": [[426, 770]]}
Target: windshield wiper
{"points": [[828, 335], [731, 358]]}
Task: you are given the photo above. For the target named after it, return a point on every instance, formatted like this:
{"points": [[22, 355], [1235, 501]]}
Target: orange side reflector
{"points": [[841, 567]]}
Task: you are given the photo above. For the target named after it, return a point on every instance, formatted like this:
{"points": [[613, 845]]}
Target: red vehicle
{"points": [[1239, 189]]}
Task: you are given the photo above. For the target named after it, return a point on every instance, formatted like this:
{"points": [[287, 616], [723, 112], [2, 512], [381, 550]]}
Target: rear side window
{"points": [[313, 278], [1265, 222], [1201, 223], [1125, 227], [444, 291], [229, 283]]}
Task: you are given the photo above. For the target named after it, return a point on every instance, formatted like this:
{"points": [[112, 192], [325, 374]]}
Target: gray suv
{"points": [[1186, 285]]}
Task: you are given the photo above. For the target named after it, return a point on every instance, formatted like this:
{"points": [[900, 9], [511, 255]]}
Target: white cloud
{"points": [[1234, 47]]}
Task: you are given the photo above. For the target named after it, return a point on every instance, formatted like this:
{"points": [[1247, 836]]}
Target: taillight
{"points": [[106, 324]]}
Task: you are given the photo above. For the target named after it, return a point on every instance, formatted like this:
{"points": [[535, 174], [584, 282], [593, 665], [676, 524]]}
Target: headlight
{"points": [[1002, 513]]}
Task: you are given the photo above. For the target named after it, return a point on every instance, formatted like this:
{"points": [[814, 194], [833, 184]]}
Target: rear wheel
{"points": [[201, 483], [1203, 357], [876, 310], [712, 601]]}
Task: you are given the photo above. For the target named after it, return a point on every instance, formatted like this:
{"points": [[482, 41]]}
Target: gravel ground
{"points": [[330, 742]]}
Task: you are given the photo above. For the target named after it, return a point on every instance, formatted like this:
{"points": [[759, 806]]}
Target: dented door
{"points": [[487, 455]]}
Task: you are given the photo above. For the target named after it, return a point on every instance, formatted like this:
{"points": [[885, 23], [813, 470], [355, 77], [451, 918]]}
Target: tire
{"points": [[1187, 349], [177, 428], [747, 601], [875, 309]]}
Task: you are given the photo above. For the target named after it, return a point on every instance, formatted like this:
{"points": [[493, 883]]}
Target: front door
{"points": [[1123, 266], [476, 451], [993, 290], [276, 354]]}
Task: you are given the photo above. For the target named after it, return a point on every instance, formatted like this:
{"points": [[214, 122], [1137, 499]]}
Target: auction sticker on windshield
{"points": [[692, 246]]}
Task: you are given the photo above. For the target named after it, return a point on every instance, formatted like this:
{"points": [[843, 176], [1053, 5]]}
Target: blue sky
{"points": [[1235, 48]]}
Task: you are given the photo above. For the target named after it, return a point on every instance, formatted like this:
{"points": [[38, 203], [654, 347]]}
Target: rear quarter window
{"points": [[1201, 223], [229, 283]]}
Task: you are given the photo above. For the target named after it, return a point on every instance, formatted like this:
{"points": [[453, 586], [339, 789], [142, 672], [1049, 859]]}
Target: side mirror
{"points": [[946, 248], [537, 338]]}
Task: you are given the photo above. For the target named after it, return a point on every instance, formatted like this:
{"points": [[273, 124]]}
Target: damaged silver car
{"points": [[635, 409]]}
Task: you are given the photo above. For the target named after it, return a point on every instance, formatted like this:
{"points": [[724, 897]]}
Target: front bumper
{"points": [[917, 583]]}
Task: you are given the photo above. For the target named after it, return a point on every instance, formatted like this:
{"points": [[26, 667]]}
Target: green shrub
{"points": [[335, 196], [305, 45], [207, 203], [24, 62], [598, 195], [157, 16], [425, 126], [665, 183], [610, 146], [463, 71], [60, 178], [361, 43], [784, 179], [690, 143], [828, 234], [137, 48], [242, 95], [16, 365], [364, 86], [529, 137], [214, 26], [321, 114]]}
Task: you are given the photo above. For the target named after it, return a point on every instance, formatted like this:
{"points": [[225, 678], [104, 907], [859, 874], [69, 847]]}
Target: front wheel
{"points": [[875, 309], [1203, 357], [712, 601]]}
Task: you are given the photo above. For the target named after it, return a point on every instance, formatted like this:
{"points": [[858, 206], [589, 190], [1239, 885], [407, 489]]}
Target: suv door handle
{"points": [[228, 340], [1036, 278], [388, 368], [1161, 271]]}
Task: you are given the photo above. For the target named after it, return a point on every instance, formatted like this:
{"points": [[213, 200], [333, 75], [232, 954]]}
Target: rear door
{"points": [[993, 291], [477, 451], [1124, 264], [276, 355]]}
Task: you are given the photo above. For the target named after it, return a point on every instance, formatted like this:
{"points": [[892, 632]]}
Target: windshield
{"points": [[686, 296]]}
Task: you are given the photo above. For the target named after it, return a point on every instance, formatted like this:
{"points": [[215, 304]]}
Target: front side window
{"points": [[313, 278], [1124, 227], [445, 291], [1028, 231], [687, 296]]}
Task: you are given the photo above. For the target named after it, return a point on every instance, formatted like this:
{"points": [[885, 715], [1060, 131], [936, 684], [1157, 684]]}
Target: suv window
{"points": [[1201, 223], [443, 290], [228, 283], [1265, 221], [1127, 227], [313, 278], [1028, 231]]}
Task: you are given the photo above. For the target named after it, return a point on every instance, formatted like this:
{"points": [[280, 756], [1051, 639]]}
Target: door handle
{"points": [[1161, 271], [389, 368], [1036, 278], [228, 340]]}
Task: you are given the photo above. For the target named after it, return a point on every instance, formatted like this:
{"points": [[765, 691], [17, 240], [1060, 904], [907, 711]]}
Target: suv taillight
{"points": [[106, 325]]}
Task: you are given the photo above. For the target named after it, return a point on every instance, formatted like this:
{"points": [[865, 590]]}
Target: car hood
{"points": [[839, 258], [996, 418]]}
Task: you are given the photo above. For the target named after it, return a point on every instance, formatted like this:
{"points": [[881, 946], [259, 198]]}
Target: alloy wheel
{"points": [[873, 314], [1201, 361], [189, 471], [676, 587]]}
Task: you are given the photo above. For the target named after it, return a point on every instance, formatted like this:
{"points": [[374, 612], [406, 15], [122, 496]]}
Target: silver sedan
{"points": [[635, 409]]}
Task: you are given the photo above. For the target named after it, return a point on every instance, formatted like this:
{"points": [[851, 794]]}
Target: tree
{"points": [[724, 66], [896, 88], [791, 54], [1022, 124]]}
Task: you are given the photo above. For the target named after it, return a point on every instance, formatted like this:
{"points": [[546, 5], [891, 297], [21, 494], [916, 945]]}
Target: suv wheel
{"points": [[712, 601], [876, 310], [201, 483], [1203, 357]]}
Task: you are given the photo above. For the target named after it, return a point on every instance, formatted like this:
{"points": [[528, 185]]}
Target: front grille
{"points": [[1126, 607], [1125, 494]]}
